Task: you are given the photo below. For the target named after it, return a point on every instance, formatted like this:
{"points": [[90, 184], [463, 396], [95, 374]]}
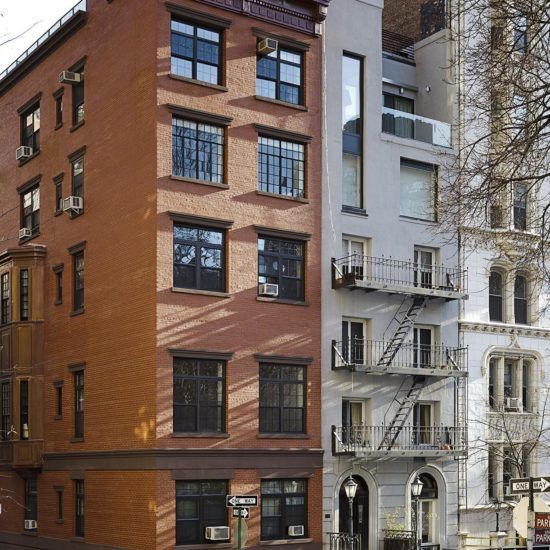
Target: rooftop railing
{"points": [[80, 6]]}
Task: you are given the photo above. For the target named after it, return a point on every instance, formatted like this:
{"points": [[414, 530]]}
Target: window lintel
{"points": [[75, 155], [28, 104], [283, 359], [201, 354], [199, 116], [270, 131], [28, 185], [197, 16], [200, 220], [281, 233], [78, 247]]}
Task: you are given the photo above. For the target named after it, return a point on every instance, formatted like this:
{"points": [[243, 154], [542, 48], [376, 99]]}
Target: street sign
{"points": [[521, 514], [521, 486], [240, 501], [542, 521], [542, 537], [241, 512]]}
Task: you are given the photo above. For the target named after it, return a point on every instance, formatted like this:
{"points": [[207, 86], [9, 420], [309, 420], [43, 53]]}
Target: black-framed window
{"points": [[24, 409], [526, 375], [59, 494], [520, 300], [197, 150], [78, 280], [30, 209], [418, 193], [58, 278], [31, 499], [59, 400], [493, 366], [199, 395], [6, 411], [199, 257], [30, 128], [195, 52], [77, 177], [58, 110], [496, 296], [24, 294], [281, 167], [79, 507], [520, 207], [199, 504], [79, 404], [282, 398], [78, 99], [508, 378], [281, 262], [5, 298], [279, 75], [283, 503], [58, 195]]}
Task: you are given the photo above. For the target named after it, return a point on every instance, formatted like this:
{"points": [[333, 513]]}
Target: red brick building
{"points": [[160, 277]]}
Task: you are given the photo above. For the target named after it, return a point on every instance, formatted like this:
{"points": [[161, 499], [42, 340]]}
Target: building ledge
{"points": [[504, 328]]}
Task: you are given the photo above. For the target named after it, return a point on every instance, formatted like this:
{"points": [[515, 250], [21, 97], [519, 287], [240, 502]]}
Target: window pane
{"points": [[417, 193], [351, 95]]}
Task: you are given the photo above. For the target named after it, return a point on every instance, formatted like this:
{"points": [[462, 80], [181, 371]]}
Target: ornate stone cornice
{"points": [[530, 332]]}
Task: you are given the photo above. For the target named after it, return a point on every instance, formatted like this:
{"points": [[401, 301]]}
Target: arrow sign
{"points": [[241, 512], [239, 501], [521, 486]]}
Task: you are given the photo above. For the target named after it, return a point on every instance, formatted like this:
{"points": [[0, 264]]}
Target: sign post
{"points": [[241, 511]]}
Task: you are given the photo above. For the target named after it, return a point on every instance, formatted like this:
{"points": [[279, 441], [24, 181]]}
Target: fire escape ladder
{"points": [[461, 389]]}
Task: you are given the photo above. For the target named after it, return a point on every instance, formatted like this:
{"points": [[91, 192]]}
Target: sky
{"points": [[17, 16]]}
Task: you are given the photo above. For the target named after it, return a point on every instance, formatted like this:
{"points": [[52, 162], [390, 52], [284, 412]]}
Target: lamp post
{"points": [[351, 488], [498, 507], [416, 489]]}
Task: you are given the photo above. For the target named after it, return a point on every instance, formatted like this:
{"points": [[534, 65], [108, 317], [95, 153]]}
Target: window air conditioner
{"points": [[73, 204], [512, 403], [296, 530], [23, 152], [217, 533], [268, 289], [267, 45], [31, 524], [68, 77], [25, 232]]}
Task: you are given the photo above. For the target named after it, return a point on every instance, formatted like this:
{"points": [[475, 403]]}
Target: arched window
{"points": [[428, 510], [496, 291], [520, 300]]}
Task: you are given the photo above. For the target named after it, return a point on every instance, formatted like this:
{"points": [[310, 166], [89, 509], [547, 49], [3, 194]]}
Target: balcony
{"points": [[22, 454], [410, 442], [398, 277], [411, 358], [410, 126]]}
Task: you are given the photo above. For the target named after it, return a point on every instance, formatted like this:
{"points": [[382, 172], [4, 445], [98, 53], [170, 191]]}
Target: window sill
{"points": [[57, 126], [282, 301], [77, 312], [201, 292], [60, 521], [76, 440], [282, 103], [203, 435], [200, 182], [286, 541], [27, 239], [203, 546], [417, 220], [355, 211], [77, 126], [58, 417], [198, 82], [77, 539], [285, 197], [283, 436], [22, 162]]}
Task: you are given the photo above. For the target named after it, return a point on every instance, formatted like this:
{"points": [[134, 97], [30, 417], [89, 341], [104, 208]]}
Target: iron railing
{"points": [[387, 271], [80, 6], [369, 439], [399, 540], [419, 128], [398, 44], [344, 541], [368, 353]]}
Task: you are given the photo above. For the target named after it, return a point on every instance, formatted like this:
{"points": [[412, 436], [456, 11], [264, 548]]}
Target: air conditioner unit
{"points": [[73, 204], [23, 152], [296, 530], [512, 403], [217, 533], [267, 45], [68, 77], [268, 289], [25, 232], [31, 524]]}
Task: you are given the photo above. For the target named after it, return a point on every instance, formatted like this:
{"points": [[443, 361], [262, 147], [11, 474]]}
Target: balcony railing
{"points": [[399, 539], [410, 126], [365, 355], [80, 6], [358, 271], [409, 441], [344, 541]]}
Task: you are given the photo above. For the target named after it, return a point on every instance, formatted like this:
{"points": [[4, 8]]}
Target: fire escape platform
{"points": [[421, 452], [437, 372]]}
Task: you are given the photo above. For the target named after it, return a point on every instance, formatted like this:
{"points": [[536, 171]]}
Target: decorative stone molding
{"points": [[530, 332]]}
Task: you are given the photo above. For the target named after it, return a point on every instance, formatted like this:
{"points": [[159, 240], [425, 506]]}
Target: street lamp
{"points": [[351, 488], [416, 489], [498, 508]]}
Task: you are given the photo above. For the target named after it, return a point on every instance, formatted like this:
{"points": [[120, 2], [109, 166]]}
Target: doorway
{"points": [[360, 511]]}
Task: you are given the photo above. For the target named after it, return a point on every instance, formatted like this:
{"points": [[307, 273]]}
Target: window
{"points": [[520, 300], [428, 509], [525, 383], [279, 75], [352, 132], [79, 404], [282, 399], [505, 463], [58, 184], [199, 258], [30, 209], [195, 52], [520, 33], [355, 251], [59, 400], [30, 128], [5, 298], [199, 504], [492, 383], [78, 100], [508, 379], [418, 190], [78, 281], [496, 293], [31, 499], [79, 507], [199, 395], [6, 411], [422, 347], [283, 503], [281, 262], [58, 278], [392, 122], [353, 341], [59, 494], [58, 99], [281, 167], [24, 409], [520, 207], [424, 267], [197, 150], [77, 180], [24, 294], [511, 383]]}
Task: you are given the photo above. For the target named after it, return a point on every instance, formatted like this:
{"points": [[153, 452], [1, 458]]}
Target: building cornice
{"points": [[517, 330]]}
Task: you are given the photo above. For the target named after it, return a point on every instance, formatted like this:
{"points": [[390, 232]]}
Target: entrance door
{"points": [[423, 274], [360, 511], [355, 251], [422, 423]]}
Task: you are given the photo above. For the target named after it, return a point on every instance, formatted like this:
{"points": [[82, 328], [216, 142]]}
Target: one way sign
{"points": [[521, 486], [234, 500]]}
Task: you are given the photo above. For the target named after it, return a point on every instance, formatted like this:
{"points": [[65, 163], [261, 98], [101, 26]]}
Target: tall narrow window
{"points": [[24, 294], [520, 207], [508, 466], [78, 100], [58, 281], [58, 185], [78, 281], [58, 99], [59, 400], [496, 290], [30, 128], [492, 383], [24, 409], [491, 477], [79, 508], [6, 412], [79, 404], [525, 398], [520, 33], [508, 379], [353, 342], [279, 75], [422, 347], [77, 180], [418, 196], [59, 493], [352, 132], [283, 504], [5, 298], [520, 300], [31, 501], [30, 209]]}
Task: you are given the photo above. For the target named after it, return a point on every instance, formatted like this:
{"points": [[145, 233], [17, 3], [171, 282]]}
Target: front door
{"points": [[360, 512]]}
